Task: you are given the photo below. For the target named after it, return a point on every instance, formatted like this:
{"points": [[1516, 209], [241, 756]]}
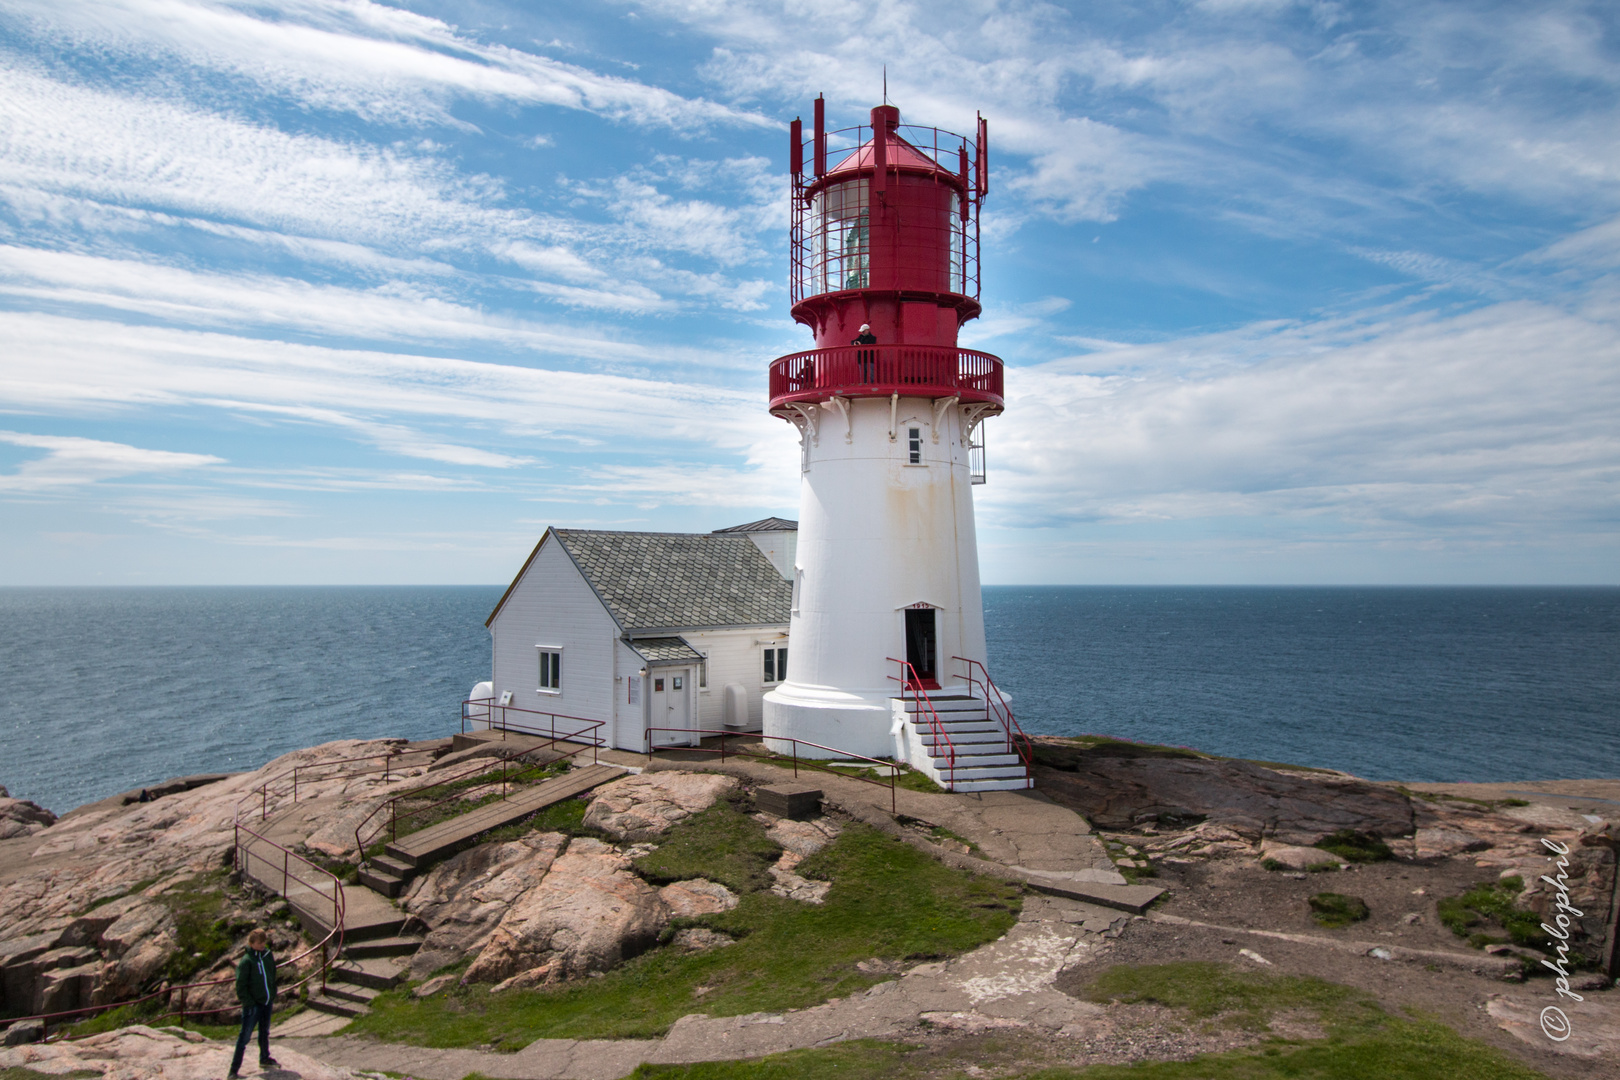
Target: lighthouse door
{"points": [[921, 645], [670, 707]]}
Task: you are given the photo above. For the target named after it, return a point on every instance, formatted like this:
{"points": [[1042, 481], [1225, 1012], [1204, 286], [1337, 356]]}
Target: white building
{"points": [[657, 635]]}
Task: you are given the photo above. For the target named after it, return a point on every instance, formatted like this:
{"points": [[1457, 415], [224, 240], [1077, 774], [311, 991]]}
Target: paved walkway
{"points": [[1005, 984]]}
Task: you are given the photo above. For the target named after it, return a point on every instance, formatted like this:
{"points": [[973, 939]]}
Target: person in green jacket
{"points": [[256, 990]]}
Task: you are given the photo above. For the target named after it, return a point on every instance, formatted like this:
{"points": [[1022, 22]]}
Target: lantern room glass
{"points": [[841, 250]]}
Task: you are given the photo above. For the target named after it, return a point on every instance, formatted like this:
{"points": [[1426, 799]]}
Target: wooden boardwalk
{"points": [[427, 846]]}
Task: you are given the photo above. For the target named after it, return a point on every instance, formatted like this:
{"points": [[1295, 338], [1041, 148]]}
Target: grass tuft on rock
{"points": [[721, 843], [1335, 910], [887, 900], [1356, 847], [1246, 999], [1487, 907], [202, 936]]}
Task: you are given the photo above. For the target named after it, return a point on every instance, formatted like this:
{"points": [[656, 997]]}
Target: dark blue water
{"points": [[1387, 683], [103, 690]]}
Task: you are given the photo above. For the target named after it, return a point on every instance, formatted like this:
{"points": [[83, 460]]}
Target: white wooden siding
{"points": [[735, 656], [553, 605]]}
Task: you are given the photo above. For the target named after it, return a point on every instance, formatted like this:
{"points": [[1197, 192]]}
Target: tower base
{"points": [[840, 721]]}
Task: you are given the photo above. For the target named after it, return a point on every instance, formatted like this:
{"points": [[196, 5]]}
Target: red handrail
{"points": [[1017, 742], [388, 758], [333, 939], [809, 763], [880, 370], [394, 816], [505, 724], [915, 685]]}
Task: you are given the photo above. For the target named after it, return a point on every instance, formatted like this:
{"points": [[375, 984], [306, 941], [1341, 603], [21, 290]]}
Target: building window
{"points": [[634, 682], [798, 589], [776, 664], [703, 673], [675, 682], [914, 445], [551, 671]]}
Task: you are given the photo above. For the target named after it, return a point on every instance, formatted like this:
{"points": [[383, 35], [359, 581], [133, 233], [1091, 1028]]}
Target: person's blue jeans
{"points": [[253, 1015]]}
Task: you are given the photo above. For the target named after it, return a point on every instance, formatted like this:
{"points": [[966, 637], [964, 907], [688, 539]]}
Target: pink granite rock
{"points": [[589, 913], [640, 807]]}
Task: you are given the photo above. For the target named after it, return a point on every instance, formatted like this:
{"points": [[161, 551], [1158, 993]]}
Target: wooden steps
{"points": [[421, 849]]}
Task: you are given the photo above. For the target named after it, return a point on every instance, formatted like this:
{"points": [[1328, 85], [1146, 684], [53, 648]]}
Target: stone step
{"points": [[963, 739], [947, 705], [378, 972], [381, 881], [426, 847], [381, 946], [978, 761], [347, 991], [1011, 783], [390, 865], [361, 922], [337, 1006]]}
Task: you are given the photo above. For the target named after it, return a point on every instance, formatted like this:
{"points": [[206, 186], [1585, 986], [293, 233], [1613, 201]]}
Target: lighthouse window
{"points": [[775, 664], [550, 671], [914, 444], [841, 238]]}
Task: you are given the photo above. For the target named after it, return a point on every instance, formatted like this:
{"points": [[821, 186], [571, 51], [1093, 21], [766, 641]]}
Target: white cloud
{"points": [[379, 62], [147, 153], [1500, 419], [70, 461], [86, 367]]}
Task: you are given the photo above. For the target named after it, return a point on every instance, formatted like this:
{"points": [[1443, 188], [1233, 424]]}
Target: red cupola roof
{"points": [[897, 152]]}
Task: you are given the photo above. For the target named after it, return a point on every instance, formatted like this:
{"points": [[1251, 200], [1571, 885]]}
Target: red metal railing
{"points": [[330, 946], [1017, 742], [386, 762], [496, 717], [913, 684], [889, 767], [880, 370], [365, 834], [809, 250]]}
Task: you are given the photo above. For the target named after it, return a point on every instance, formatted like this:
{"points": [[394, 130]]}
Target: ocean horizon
{"points": [[106, 689]]}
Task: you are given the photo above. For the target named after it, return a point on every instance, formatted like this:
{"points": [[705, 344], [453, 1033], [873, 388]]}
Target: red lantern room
{"points": [[886, 235]]}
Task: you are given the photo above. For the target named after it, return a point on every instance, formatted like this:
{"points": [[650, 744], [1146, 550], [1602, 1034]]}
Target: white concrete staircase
{"points": [[983, 761]]}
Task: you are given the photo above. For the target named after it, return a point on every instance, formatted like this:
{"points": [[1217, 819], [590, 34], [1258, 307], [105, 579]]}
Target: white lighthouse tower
{"points": [[887, 624]]}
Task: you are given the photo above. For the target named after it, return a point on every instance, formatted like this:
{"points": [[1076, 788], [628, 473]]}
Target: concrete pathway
{"points": [[1005, 984]]}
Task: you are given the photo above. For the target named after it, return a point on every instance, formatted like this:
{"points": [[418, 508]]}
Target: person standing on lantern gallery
{"points": [[865, 356], [256, 990]]}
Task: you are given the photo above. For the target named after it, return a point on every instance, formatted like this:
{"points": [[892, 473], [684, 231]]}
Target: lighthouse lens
{"points": [[840, 252]]}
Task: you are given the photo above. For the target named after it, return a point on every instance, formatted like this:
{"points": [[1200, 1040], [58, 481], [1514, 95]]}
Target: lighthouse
{"points": [[887, 623]]}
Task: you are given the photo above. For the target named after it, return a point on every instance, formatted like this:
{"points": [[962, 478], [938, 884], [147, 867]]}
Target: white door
{"points": [[670, 713]]}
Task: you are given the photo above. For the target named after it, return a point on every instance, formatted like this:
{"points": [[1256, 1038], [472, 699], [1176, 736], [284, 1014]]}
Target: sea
{"points": [[104, 690]]}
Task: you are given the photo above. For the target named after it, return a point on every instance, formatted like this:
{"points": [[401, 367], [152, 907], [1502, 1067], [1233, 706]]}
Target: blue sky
{"points": [[323, 292]]}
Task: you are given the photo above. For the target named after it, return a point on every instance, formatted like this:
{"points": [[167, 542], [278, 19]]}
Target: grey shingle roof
{"points": [[770, 524], [679, 580], [654, 649]]}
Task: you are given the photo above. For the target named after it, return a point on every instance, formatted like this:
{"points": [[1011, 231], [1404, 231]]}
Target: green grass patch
{"points": [[888, 900], [1396, 1049], [1486, 912], [1246, 999], [1334, 910], [566, 817], [202, 936], [22, 1072], [1356, 847], [722, 844]]}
